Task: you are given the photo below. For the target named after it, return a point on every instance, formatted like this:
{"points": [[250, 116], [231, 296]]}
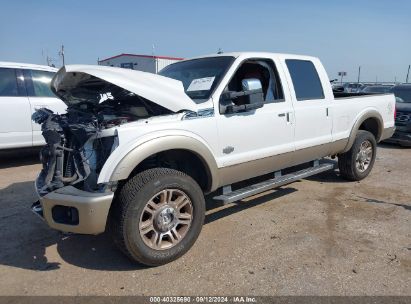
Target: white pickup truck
{"points": [[136, 152]]}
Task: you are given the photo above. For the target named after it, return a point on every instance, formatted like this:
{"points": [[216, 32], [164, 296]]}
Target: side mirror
{"points": [[252, 84], [252, 95]]}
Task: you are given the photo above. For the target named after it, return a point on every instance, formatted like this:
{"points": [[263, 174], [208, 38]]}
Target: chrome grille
{"points": [[403, 117]]}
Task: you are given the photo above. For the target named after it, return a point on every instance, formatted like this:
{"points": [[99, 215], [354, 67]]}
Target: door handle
{"points": [[284, 115]]}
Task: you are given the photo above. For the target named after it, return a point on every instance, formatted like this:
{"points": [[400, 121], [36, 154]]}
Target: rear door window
{"points": [[38, 83], [307, 83], [8, 82]]}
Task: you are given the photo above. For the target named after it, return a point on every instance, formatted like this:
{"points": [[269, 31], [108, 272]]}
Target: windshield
{"points": [[199, 76], [403, 92]]}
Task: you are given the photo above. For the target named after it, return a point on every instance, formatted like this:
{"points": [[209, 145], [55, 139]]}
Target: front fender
{"points": [[120, 165]]}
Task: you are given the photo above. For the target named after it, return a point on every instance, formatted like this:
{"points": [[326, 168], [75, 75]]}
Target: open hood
{"points": [[70, 80]]}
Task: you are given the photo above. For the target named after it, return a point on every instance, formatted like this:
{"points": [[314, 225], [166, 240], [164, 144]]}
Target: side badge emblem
{"points": [[228, 150]]}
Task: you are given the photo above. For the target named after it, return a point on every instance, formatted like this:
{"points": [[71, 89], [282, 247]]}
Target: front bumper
{"points": [[399, 137], [88, 211]]}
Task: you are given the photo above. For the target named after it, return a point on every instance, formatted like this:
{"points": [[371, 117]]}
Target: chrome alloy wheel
{"points": [[364, 156], [166, 219]]}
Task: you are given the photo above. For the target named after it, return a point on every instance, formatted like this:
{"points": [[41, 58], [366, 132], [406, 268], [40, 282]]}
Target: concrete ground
{"points": [[321, 236]]}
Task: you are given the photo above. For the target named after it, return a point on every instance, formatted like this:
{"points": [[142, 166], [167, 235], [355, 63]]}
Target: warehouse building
{"points": [[145, 63]]}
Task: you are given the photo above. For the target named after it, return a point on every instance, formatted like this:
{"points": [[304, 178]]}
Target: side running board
{"points": [[275, 182]]}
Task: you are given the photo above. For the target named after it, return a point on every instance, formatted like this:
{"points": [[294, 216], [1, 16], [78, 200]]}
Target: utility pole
{"points": [[342, 74], [359, 73], [61, 53], [408, 73]]}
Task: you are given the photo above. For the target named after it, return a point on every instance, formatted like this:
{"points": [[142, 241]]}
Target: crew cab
{"points": [[136, 152], [24, 88]]}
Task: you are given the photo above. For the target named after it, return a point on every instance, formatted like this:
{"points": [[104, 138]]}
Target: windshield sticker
{"points": [[201, 84]]}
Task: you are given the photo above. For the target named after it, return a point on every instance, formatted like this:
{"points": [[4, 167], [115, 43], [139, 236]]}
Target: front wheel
{"points": [[356, 163], [157, 216]]}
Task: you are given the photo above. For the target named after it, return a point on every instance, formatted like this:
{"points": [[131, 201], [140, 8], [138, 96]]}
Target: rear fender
{"points": [[370, 113]]}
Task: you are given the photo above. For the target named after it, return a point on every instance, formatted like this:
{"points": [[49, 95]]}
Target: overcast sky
{"points": [[343, 34]]}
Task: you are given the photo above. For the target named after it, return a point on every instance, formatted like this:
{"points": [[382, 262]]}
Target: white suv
{"points": [[24, 88]]}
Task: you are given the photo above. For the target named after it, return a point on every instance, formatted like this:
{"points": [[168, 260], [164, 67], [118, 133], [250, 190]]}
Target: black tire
{"points": [[347, 160], [129, 204]]}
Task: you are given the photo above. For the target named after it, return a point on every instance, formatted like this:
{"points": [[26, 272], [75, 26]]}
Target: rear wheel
{"points": [[157, 216], [357, 163]]}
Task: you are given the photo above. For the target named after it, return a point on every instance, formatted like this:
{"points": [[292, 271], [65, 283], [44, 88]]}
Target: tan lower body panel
{"points": [[92, 209], [236, 173], [387, 133]]}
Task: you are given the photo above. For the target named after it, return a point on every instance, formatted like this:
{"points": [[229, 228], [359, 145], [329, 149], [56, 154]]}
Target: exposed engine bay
{"points": [[75, 151]]}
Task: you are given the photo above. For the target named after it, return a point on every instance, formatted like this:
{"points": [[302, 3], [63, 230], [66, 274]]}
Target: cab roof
{"points": [[256, 54]]}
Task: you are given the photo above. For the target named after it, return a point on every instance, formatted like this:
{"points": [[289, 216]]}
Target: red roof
{"points": [[145, 56]]}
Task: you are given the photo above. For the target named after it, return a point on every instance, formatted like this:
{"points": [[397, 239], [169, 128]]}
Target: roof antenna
{"points": [[220, 51]]}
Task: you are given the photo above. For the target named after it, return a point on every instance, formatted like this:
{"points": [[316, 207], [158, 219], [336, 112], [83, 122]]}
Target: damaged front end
{"points": [[74, 152], [78, 143]]}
